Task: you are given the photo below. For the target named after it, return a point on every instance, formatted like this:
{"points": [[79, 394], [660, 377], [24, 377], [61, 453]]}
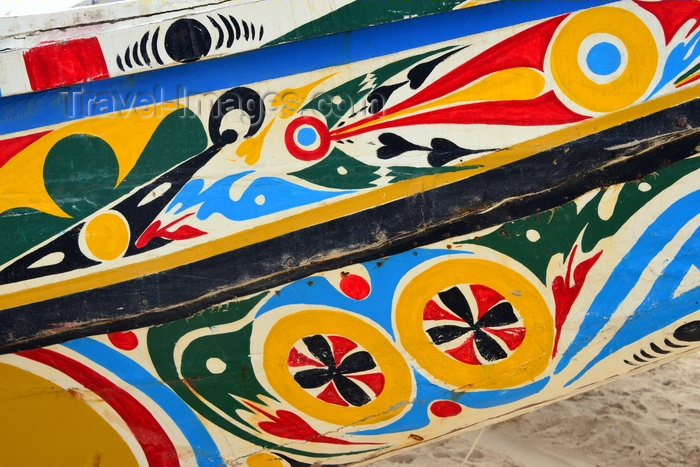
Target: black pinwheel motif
{"points": [[473, 324], [336, 370]]}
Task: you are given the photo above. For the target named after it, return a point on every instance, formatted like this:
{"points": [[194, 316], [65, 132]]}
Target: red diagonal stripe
{"points": [[156, 445], [9, 148]]}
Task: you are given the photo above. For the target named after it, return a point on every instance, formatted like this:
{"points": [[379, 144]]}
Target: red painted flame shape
{"points": [[565, 292], [156, 231], [289, 425]]}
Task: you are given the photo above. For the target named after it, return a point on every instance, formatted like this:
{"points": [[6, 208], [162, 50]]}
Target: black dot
{"points": [[187, 40], [689, 332]]}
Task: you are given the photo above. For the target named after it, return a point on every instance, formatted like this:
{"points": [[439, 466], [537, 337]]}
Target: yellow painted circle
{"points": [[630, 85], [287, 331], [107, 236], [523, 365], [263, 459]]}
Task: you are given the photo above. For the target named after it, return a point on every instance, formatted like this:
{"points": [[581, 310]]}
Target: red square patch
{"points": [[59, 64]]}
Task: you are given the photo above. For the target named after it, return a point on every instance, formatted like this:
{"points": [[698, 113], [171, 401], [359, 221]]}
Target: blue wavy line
{"points": [[626, 275]]}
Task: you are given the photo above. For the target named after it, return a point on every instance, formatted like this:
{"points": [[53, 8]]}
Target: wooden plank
{"points": [[357, 362], [326, 250]]}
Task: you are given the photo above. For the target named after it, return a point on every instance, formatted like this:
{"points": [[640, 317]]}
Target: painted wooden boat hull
{"points": [[233, 239]]}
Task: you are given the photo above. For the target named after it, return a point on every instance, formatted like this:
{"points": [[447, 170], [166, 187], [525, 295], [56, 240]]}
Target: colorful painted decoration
{"points": [[447, 330], [361, 132], [364, 231], [477, 339]]}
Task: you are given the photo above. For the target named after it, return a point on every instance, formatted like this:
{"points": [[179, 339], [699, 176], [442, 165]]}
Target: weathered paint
{"points": [[441, 337], [373, 144], [52, 52], [426, 236]]}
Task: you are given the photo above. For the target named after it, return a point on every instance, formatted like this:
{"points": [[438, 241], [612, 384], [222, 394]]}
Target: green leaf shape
{"points": [[232, 348], [237, 379], [326, 173], [180, 136]]}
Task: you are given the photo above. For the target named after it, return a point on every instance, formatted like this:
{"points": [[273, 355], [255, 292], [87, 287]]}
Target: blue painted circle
{"points": [[307, 136], [604, 59]]}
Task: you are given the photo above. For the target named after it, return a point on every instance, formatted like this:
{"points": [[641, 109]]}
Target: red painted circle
{"points": [[124, 340], [445, 409], [354, 286], [304, 154]]}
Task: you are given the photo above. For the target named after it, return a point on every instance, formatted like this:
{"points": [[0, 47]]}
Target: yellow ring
{"points": [[633, 82], [288, 330], [523, 365]]}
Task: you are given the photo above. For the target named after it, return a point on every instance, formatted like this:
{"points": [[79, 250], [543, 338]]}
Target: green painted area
{"points": [[180, 136], [80, 175], [232, 348], [559, 228], [24, 228], [352, 92], [238, 378], [363, 13], [338, 170]]}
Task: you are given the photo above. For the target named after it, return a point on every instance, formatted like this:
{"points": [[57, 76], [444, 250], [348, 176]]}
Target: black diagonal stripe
{"points": [[455, 209]]}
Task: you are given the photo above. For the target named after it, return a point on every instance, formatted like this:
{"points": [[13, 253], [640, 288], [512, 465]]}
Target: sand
{"points": [[648, 419]]}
